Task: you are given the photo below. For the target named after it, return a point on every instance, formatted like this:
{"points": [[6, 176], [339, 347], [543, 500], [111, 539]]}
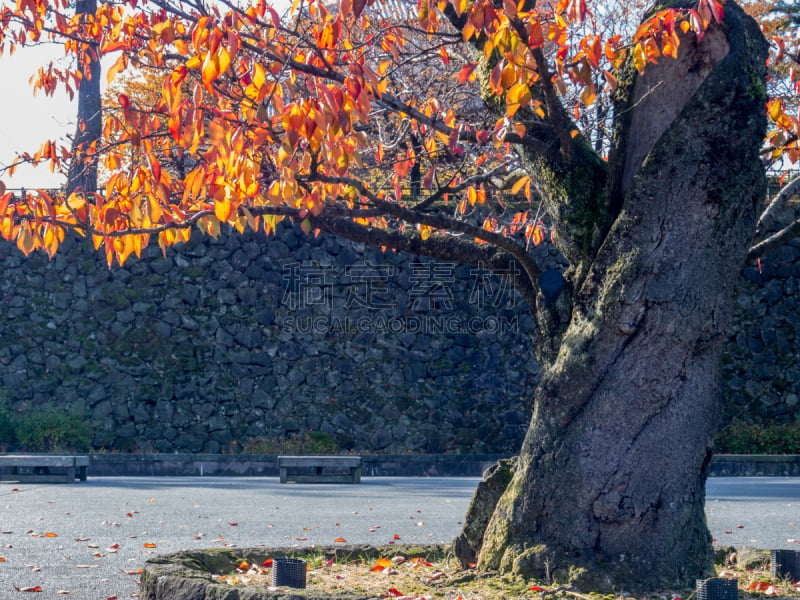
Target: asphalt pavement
{"points": [[90, 539]]}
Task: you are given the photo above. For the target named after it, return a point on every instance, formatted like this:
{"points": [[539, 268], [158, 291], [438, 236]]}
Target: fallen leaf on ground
{"points": [[37, 588], [149, 545], [381, 564], [762, 586]]}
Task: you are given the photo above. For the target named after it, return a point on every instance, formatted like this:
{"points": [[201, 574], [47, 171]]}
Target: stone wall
{"points": [[241, 338], [237, 339], [762, 362]]}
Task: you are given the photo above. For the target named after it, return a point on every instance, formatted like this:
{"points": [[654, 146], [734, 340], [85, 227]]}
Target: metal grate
{"points": [[717, 589], [289, 572], [785, 564]]}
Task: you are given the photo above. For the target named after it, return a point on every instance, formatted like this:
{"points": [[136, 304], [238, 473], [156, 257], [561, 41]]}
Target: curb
{"points": [[384, 465]]}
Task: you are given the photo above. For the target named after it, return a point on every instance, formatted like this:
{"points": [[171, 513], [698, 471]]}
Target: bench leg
{"points": [[82, 473], [284, 475], [356, 475]]}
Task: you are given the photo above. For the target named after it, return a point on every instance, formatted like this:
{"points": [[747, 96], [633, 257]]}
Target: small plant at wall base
{"points": [[7, 436], [753, 438], [49, 429]]}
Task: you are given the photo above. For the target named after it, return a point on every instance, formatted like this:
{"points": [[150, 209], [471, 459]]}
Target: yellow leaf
{"points": [[639, 58], [424, 233], [223, 210], [588, 94], [25, 240], [223, 59], [519, 184], [119, 65], [211, 69]]}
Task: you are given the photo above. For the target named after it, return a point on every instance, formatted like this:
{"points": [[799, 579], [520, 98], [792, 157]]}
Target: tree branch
{"points": [[768, 216], [436, 246], [773, 242]]}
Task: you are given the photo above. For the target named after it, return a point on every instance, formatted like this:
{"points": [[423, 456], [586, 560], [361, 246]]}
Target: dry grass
{"points": [[443, 579], [397, 577]]}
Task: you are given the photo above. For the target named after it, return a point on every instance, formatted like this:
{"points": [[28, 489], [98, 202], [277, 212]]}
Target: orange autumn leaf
{"points": [[381, 564], [340, 540], [149, 545], [50, 534]]}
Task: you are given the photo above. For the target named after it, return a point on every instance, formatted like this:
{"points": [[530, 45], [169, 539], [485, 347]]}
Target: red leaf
{"points": [[395, 592], [396, 537], [536, 588], [358, 7], [760, 586], [38, 588], [466, 72], [340, 540], [267, 563]]}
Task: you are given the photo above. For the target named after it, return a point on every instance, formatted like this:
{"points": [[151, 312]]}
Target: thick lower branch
{"points": [[436, 246]]}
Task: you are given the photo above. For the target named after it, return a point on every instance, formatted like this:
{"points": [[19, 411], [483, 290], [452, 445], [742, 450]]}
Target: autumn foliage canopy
{"points": [[367, 118]]}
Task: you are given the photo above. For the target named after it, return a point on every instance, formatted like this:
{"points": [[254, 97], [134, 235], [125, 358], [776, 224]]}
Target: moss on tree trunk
{"points": [[610, 484]]}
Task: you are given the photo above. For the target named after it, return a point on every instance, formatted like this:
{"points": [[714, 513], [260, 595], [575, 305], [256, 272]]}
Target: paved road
{"points": [[102, 525]]}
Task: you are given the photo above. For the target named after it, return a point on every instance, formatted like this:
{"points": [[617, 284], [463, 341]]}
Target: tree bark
{"points": [[83, 167], [610, 484]]}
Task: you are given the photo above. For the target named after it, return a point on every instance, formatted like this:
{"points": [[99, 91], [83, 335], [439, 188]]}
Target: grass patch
{"points": [[415, 576], [752, 438]]}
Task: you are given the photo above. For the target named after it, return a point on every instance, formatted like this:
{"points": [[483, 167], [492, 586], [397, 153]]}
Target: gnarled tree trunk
{"points": [[609, 486]]}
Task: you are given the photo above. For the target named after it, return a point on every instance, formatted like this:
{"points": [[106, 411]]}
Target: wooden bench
{"points": [[43, 468], [320, 469]]}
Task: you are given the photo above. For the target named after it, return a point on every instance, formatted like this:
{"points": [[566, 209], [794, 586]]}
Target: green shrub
{"points": [[7, 436], [52, 430], [752, 438]]}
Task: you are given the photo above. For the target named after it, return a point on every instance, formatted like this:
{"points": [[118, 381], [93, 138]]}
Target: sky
{"points": [[29, 121]]}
